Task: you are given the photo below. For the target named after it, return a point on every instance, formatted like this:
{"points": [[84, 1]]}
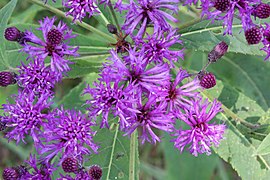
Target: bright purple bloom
{"points": [[225, 10], [147, 12], [37, 78], [44, 171], [133, 68], [79, 9], [201, 134], [181, 96], [69, 133], [55, 44], [152, 115], [110, 98], [156, 47], [26, 116], [266, 41]]}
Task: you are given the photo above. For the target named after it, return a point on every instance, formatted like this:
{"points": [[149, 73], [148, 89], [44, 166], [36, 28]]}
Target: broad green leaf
{"points": [[236, 147], [248, 74], [204, 36], [264, 147], [185, 165], [5, 14]]}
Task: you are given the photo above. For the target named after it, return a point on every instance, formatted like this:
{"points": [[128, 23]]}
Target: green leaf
{"points": [[5, 14], [236, 147], [264, 147], [204, 36]]}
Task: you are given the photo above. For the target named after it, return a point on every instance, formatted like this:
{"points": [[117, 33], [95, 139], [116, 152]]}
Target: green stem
{"points": [[114, 16], [102, 15], [70, 18], [132, 155]]}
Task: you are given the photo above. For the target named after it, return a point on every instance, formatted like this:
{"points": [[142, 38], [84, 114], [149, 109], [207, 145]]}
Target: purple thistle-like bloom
{"points": [[79, 9], [44, 171], [147, 12], [156, 47], [68, 132], [37, 78], [134, 69], [266, 41], [152, 114], [181, 96], [201, 134], [26, 116], [225, 10], [110, 98], [55, 44]]}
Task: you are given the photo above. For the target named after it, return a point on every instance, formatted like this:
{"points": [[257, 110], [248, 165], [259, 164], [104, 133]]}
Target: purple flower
{"points": [[26, 116], [225, 10], [147, 12], [44, 171], [37, 78], [266, 41], [181, 96], [55, 44], [156, 47], [133, 68], [201, 134], [152, 115], [110, 98], [79, 9], [68, 132]]}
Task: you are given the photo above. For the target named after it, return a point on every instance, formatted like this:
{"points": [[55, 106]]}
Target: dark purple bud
{"points": [[10, 173], [95, 172], [112, 29], [218, 51], [54, 37], [253, 35], [222, 5], [70, 165], [7, 78], [12, 34], [208, 80], [261, 11], [2, 126]]}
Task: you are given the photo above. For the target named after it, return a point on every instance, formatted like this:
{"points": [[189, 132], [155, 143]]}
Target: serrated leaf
{"points": [[203, 36], [264, 147], [5, 14]]}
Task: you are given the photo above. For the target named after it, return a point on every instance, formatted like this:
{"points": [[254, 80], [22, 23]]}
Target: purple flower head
{"points": [[152, 115], [68, 133], [37, 78], [44, 171], [156, 47], [201, 134], [108, 97], [225, 10], [55, 44], [181, 96], [26, 116], [147, 12], [134, 69], [79, 9], [266, 41]]}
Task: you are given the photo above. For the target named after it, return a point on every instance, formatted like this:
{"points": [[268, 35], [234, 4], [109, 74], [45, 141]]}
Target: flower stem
{"points": [[70, 18], [132, 156], [114, 16]]}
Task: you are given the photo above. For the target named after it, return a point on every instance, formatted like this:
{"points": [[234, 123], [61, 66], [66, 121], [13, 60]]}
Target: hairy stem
{"points": [[132, 156]]}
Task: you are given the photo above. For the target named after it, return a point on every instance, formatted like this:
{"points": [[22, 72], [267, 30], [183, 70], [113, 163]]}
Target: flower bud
{"points": [[253, 35], [2, 126], [207, 80], [95, 172], [261, 11], [218, 51], [70, 165], [10, 173], [112, 29], [7, 78], [12, 34]]}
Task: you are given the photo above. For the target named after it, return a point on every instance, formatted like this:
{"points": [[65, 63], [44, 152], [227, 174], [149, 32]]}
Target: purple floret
{"points": [[201, 134], [26, 116], [55, 45], [266, 41], [146, 12], [68, 133]]}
